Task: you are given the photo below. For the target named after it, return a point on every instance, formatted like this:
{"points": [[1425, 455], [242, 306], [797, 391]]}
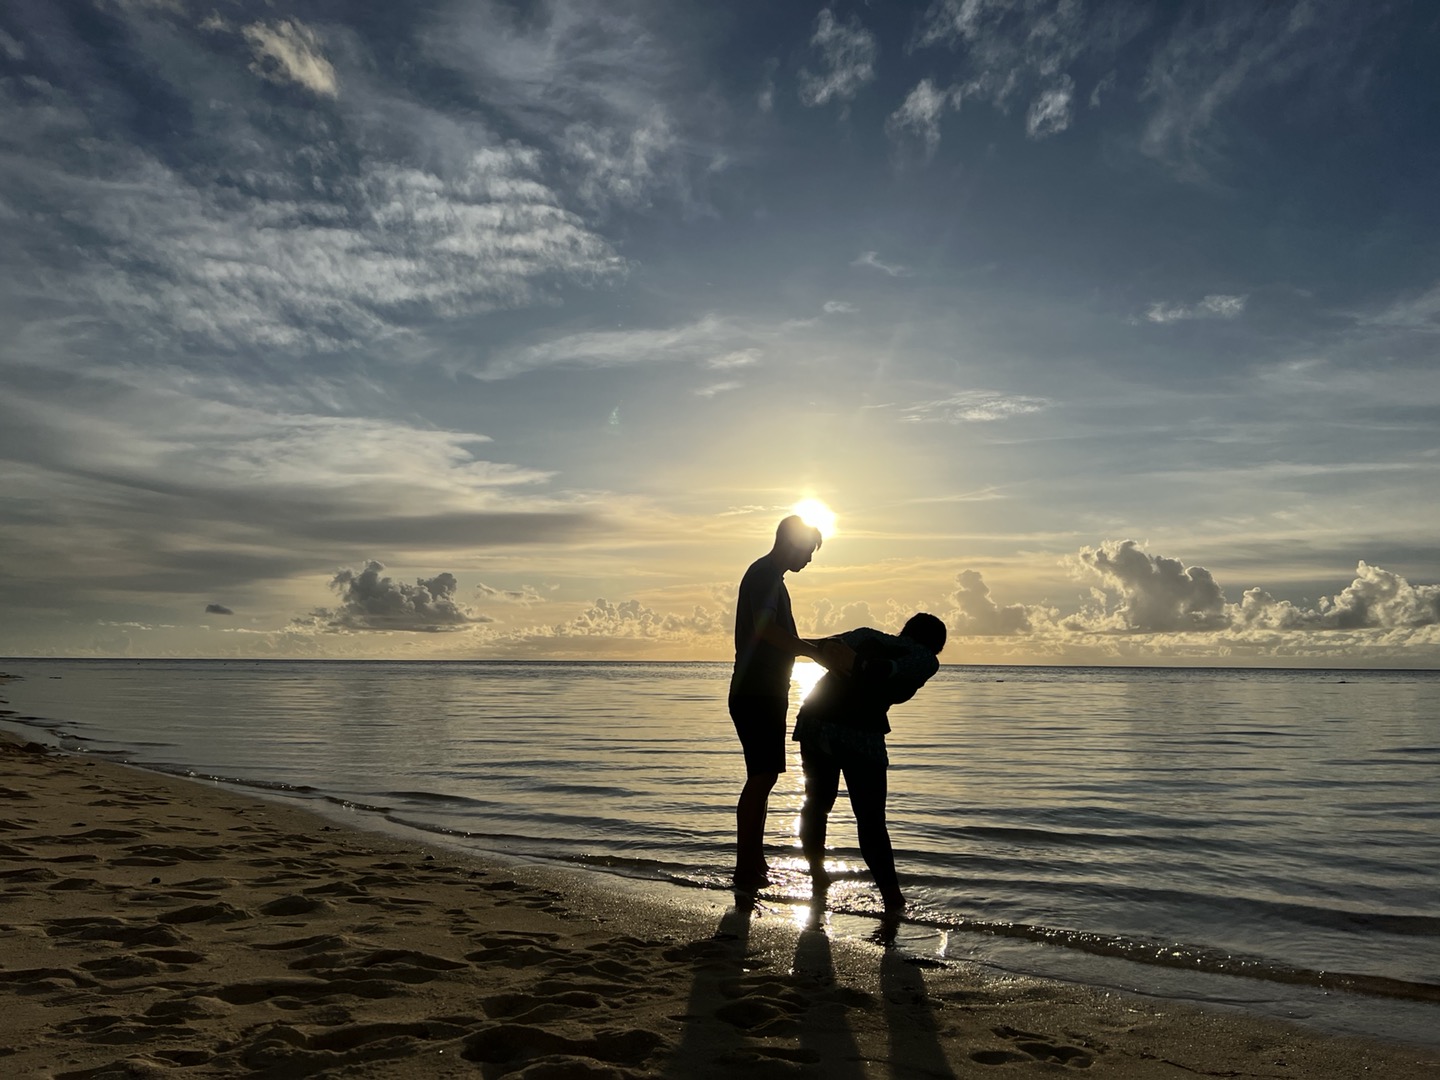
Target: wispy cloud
{"points": [[838, 307], [872, 260], [593, 83], [738, 359], [195, 497], [1009, 51], [525, 596], [283, 262], [711, 340], [1215, 306], [1419, 311], [921, 112], [973, 407], [1213, 62], [717, 388], [288, 51], [1051, 112], [847, 52]]}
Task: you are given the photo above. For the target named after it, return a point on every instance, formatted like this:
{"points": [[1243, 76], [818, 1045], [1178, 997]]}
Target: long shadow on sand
{"points": [[746, 1017]]}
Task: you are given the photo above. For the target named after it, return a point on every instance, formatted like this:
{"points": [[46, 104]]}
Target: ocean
{"points": [[1259, 839]]}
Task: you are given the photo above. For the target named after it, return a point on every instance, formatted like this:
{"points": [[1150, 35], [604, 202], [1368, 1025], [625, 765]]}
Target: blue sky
{"points": [[1108, 331]]}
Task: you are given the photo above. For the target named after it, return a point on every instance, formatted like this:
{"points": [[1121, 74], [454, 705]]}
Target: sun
{"points": [[816, 513]]}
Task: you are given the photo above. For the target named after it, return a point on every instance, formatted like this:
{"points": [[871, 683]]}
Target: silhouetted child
{"points": [[841, 728]]}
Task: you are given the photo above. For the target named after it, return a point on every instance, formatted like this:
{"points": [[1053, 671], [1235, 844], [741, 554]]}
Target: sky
{"points": [[1107, 331]]}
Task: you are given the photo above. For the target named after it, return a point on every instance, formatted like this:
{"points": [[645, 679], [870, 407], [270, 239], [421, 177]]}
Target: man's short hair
{"points": [[792, 532], [927, 630]]}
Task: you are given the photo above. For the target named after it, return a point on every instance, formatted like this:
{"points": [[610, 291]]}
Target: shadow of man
{"points": [[718, 962], [825, 1037], [915, 1040]]}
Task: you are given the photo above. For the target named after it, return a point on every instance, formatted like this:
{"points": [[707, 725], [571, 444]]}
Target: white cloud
{"points": [[289, 52], [737, 359], [709, 340], [613, 98], [525, 596], [191, 499], [972, 406], [369, 601], [1151, 593], [839, 307], [872, 260], [12, 49], [1021, 49], [848, 53], [921, 111], [180, 263], [1211, 63], [714, 389], [1215, 306], [977, 614], [1418, 312], [633, 619], [828, 619], [1050, 112], [620, 166], [1376, 600]]}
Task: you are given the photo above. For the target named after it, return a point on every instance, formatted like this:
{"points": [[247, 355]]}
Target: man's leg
{"points": [[760, 723], [866, 783], [750, 811], [822, 784]]}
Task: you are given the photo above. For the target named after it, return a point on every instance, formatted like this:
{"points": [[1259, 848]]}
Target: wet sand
{"points": [[151, 926]]}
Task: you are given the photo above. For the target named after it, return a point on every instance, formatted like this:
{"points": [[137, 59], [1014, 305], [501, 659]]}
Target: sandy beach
{"points": [[150, 925]]}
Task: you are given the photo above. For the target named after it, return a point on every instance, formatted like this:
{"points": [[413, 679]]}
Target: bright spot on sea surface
{"points": [[816, 513]]}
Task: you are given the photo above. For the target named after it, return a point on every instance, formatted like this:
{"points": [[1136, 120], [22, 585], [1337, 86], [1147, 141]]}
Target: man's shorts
{"points": [[760, 723]]}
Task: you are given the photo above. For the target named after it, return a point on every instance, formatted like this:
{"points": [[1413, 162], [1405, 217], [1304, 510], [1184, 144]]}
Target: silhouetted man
{"points": [[766, 644], [841, 728]]}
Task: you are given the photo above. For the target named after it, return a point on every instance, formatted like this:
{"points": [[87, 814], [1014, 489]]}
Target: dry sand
{"points": [[153, 926]]}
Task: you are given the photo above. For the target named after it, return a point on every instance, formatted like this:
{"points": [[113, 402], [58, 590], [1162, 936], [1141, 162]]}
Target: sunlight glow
{"points": [[803, 677], [816, 513]]}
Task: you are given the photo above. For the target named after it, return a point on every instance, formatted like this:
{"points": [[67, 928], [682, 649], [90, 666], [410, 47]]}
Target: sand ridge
{"points": [[151, 926]]}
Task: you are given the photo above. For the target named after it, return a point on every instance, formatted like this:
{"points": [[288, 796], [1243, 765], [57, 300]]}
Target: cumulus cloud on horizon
{"points": [[369, 601], [976, 613]]}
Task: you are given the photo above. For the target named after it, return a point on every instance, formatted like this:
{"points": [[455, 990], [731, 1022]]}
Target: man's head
{"points": [[927, 630], [795, 542]]}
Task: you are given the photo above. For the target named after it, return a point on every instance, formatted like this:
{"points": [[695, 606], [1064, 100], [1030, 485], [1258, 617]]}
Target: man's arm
{"points": [[831, 653]]}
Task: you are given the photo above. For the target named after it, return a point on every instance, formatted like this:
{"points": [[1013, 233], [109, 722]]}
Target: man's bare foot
{"points": [[752, 879], [894, 902], [820, 878]]}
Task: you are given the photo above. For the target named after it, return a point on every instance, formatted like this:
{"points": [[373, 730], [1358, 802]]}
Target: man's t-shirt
{"points": [[761, 669]]}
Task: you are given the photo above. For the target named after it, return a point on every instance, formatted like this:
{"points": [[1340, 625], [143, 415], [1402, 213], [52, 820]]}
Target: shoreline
{"points": [[150, 922]]}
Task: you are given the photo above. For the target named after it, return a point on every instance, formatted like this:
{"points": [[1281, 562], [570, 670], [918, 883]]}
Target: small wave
{"points": [[1196, 958]]}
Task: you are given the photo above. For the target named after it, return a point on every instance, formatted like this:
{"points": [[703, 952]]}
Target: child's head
{"points": [[927, 630]]}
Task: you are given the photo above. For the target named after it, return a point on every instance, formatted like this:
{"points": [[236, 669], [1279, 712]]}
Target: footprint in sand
{"points": [[516, 1046], [1027, 1046]]}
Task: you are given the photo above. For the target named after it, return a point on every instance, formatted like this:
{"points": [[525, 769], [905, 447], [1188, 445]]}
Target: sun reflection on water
{"points": [[803, 678]]}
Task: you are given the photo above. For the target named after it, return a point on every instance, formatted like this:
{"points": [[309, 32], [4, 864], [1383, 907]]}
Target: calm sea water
{"points": [[1268, 839]]}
